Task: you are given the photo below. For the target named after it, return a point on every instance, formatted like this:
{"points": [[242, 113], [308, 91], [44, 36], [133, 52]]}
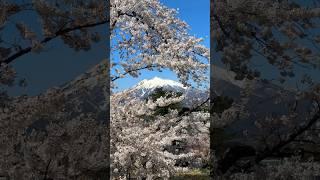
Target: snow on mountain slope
{"points": [[146, 87], [158, 82]]}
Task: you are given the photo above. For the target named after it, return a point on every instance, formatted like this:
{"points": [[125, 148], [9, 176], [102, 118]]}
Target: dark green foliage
{"points": [[204, 108], [183, 110], [165, 110], [160, 92]]}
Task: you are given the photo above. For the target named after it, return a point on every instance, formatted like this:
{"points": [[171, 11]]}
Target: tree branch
{"points": [[292, 137], [268, 152], [48, 39], [47, 170], [134, 70]]}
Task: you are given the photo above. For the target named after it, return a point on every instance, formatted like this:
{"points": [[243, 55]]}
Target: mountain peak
{"points": [[158, 82], [146, 87]]}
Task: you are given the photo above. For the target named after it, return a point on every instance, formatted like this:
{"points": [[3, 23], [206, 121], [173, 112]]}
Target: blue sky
{"points": [[197, 15]]}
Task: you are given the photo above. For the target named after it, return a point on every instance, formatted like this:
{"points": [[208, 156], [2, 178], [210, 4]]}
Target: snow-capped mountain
{"points": [[158, 82], [146, 87]]}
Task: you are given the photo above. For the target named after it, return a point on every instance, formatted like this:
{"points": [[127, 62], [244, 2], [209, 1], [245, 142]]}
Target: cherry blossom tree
{"points": [[146, 35], [276, 42], [46, 136], [139, 148]]}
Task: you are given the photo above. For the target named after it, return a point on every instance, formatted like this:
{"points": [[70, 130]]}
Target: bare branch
{"points": [[48, 39]]}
